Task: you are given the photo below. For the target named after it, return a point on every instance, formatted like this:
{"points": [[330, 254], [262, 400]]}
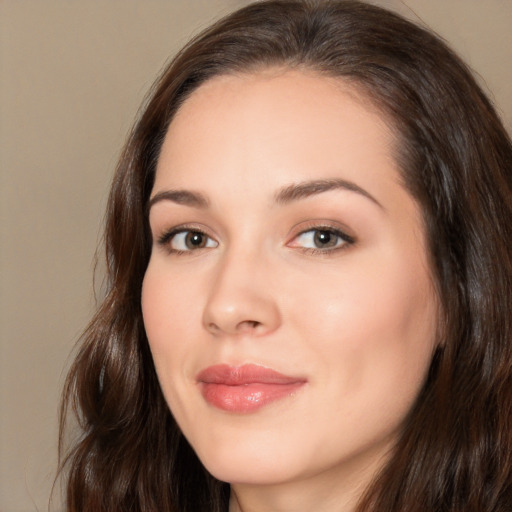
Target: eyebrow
{"points": [[306, 189], [184, 197], [286, 195]]}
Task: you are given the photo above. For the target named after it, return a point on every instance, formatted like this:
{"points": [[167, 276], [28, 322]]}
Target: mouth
{"points": [[245, 389]]}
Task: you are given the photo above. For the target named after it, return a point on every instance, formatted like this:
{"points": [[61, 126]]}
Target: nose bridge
{"points": [[242, 298]]}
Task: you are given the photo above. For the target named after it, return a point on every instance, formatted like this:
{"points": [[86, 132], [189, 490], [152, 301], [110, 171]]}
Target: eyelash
{"points": [[167, 237], [345, 239]]}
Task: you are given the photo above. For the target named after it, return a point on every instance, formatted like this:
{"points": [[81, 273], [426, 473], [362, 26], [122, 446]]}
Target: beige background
{"points": [[72, 76]]}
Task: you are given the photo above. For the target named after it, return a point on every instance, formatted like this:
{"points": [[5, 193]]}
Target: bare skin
{"points": [[284, 240]]}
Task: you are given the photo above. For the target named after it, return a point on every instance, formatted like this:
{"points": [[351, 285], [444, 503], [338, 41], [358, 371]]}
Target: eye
{"points": [[186, 240], [322, 239]]}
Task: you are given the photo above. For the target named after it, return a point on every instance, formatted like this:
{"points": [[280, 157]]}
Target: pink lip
{"points": [[244, 389]]}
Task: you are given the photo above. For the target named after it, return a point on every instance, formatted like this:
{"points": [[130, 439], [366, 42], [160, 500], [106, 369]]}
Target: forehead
{"points": [[296, 122], [263, 90]]}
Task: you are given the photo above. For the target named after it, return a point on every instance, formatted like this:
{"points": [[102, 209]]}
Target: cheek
{"points": [[372, 327], [156, 300], [167, 311], [168, 303]]}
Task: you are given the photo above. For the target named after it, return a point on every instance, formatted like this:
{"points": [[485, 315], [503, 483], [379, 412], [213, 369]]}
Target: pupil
{"points": [[195, 239], [324, 238]]}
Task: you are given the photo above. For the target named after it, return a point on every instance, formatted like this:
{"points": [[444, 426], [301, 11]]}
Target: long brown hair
{"points": [[455, 449]]}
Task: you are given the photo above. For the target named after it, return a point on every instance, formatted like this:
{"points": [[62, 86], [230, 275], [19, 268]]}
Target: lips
{"points": [[245, 389]]}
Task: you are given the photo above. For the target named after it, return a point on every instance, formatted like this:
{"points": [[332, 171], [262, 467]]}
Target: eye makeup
{"points": [[185, 239], [321, 237]]}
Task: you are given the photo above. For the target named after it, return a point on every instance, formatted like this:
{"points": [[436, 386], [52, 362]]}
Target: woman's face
{"points": [[288, 301]]}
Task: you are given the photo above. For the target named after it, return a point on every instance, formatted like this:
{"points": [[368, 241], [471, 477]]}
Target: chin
{"points": [[249, 462], [249, 471]]}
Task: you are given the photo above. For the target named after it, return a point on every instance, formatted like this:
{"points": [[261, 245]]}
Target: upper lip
{"points": [[246, 374]]}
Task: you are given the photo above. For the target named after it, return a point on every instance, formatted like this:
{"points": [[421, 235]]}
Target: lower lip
{"points": [[246, 398]]}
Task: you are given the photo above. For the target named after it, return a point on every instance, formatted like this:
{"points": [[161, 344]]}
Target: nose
{"points": [[242, 298]]}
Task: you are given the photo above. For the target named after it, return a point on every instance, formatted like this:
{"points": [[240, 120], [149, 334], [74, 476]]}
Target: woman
{"points": [[309, 280]]}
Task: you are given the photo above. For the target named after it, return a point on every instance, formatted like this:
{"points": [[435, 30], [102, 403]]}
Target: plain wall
{"points": [[72, 76]]}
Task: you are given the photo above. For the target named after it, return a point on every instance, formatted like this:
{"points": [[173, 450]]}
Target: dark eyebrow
{"points": [[185, 197], [309, 188], [289, 193]]}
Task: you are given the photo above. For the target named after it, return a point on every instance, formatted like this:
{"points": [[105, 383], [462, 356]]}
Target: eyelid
{"points": [[320, 225], [338, 229], [168, 235]]}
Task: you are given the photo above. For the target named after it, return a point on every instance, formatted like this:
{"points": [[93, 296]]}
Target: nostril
{"points": [[213, 327], [245, 326], [248, 325]]}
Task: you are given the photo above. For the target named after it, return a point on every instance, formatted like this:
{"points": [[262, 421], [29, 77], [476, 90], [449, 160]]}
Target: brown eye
{"points": [[195, 240], [188, 240], [323, 239]]}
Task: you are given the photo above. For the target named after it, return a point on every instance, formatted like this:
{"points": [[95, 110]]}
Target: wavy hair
{"points": [[454, 452]]}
